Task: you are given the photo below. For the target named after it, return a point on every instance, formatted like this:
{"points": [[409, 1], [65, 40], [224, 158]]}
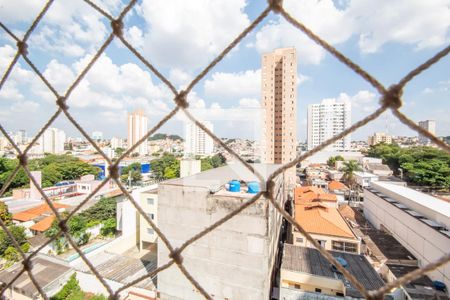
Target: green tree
{"points": [[119, 151], [103, 210], [18, 232], [349, 168], [206, 164], [5, 215], [109, 227], [333, 159], [166, 167], [422, 165], [133, 170], [72, 286]]}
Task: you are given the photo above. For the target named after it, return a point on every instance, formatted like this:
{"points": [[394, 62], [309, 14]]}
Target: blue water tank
{"points": [[341, 261], [440, 286], [145, 167], [253, 187], [234, 186]]}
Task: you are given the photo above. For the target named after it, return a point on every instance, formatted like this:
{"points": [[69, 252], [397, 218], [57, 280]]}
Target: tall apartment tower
{"points": [[197, 142], [279, 101], [430, 126], [52, 141], [327, 119], [137, 128]]}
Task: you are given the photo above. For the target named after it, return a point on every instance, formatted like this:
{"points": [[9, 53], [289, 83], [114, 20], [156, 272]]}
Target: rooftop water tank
{"points": [[341, 261], [234, 186], [253, 187]]}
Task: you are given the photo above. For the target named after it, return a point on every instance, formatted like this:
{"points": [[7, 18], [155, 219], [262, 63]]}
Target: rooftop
{"points": [[216, 178], [45, 269], [43, 224], [309, 260], [310, 194], [336, 185], [319, 219], [37, 211]]}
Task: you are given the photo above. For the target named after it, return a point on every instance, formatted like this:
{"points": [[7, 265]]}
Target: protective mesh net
{"points": [[390, 99]]}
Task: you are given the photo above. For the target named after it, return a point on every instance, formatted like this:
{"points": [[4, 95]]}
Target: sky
{"points": [[387, 38]]}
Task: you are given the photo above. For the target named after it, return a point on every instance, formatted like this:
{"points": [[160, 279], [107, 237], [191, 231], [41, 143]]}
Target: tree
{"points": [[103, 210], [166, 167], [425, 166], [5, 215], [72, 286], [119, 151], [109, 227], [133, 170], [18, 232], [349, 168], [333, 159]]}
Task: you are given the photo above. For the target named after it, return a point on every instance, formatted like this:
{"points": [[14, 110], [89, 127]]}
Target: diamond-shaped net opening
{"points": [[390, 99]]}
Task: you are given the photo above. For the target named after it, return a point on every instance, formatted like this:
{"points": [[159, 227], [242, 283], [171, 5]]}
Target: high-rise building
{"points": [[430, 126], [197, 142], [327, 119], [52, 141], [279, 101], [116, 143], [137, 128], [97, 135], [379, 137]]}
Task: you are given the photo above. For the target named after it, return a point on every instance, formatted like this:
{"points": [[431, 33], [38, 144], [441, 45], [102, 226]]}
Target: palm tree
{"points": [[349, 168]]}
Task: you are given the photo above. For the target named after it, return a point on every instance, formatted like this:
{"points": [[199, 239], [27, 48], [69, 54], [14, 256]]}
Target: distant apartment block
{"points": [[279, 101], [430, 126], [137, 128], [379, 137], [237, 259], [420, 222], [326, 120], [197, 141], [52, 141], [116, 142]]}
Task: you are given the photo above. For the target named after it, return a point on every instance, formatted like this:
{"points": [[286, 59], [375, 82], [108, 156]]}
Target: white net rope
{"points": [[390, 99]]}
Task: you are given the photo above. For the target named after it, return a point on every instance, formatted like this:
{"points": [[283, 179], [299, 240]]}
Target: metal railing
{"points": [[390, 99]]}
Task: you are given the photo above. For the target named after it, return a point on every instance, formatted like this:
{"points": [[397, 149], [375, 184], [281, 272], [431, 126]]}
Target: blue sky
{"points": [[386, 38]]}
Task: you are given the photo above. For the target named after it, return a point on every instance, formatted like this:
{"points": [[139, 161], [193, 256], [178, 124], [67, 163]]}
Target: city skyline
{"points": [[119, 83]]}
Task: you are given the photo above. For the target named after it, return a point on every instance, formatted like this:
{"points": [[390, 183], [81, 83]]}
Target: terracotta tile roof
{"points": [[309, 194], [319, 219], [43, 224], [336, 185], [114, 193], [37, 211]]}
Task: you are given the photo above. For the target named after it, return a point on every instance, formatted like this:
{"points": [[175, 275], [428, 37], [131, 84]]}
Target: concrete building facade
{"points": [[418, 221], [379, 137], [326, 120], [279, 101], [237, 259], [52, 141], [137, 128], [197, 142], [430, 126]]}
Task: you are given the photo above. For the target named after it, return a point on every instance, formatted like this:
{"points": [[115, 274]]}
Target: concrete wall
{"points": [[146, 232], [327, 238], [424, 242], [309, 283], [234, 261]]}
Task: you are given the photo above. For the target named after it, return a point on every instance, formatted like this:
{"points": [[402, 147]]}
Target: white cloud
{"points": [[188, 34], [423, 24], [179, 77], [234, 85], [249, 103]]}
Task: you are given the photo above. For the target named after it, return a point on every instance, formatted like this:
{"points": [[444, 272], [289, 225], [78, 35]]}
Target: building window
{"points": [[344, 246], [150, 201], [339, 294], [299, 240], [150, 231], [318, 290], [151, 216], [297, 286]]}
